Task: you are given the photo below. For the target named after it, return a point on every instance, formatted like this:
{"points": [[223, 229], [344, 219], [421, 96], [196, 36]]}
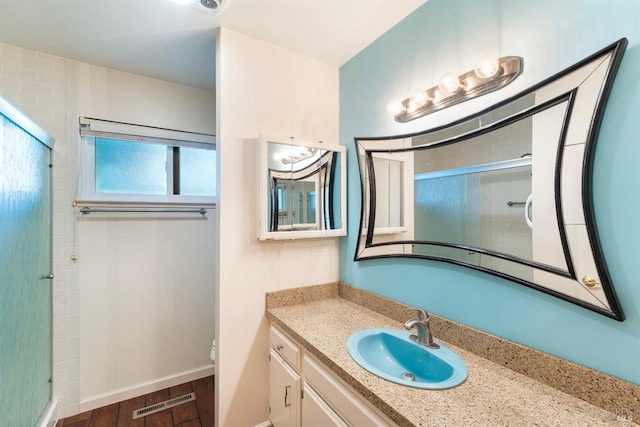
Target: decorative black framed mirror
{"points": [[506, 191]]}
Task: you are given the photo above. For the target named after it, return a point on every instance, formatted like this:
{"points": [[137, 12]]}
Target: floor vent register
{"points": [[152, 409]]}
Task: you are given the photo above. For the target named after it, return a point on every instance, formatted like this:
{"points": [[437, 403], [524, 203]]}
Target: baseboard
{"points": [[48, 417], [125, 393]]}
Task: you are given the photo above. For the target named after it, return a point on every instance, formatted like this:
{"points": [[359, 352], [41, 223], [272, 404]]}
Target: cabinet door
{"points": [[316, 412], [284, 393]]}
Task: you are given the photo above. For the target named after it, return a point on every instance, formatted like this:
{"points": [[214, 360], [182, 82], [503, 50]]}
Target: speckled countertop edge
{"points": [[620, 398]]}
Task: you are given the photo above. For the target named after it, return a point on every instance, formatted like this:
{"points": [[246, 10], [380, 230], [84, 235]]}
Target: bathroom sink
{"points": [[390, 354]]}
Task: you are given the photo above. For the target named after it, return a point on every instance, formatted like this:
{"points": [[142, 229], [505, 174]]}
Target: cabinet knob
{"points": [[279, 347]]}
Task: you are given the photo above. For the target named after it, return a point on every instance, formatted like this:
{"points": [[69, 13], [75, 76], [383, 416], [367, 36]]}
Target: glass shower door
{"points": [[25, 282]]}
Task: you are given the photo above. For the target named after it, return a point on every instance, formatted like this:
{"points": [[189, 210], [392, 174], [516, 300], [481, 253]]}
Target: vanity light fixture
{"points": [[490, 73], [294, 154]]}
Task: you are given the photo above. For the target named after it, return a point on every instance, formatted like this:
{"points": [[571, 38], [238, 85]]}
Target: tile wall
{"points": [[502, 227]]}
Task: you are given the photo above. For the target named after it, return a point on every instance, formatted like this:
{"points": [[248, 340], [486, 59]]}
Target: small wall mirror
{"points": [[302, 189], [394, 184], [506, 191]]}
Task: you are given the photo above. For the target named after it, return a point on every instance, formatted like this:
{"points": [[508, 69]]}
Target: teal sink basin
{"points": [[390, 354]]}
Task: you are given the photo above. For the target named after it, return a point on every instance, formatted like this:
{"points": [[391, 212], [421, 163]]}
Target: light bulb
{"points": [[449, 83], [487, 67], [395, 107], [419, 98]]}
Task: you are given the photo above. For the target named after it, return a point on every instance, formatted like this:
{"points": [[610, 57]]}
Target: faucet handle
{"points": [[422, 315]]}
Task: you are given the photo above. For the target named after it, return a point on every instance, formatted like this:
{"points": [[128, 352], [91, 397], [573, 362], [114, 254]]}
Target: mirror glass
{"points": [[506, 191], [302, 193]]}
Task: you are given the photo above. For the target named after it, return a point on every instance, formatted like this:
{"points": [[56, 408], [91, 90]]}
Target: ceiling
{"points": [[161, 39]]}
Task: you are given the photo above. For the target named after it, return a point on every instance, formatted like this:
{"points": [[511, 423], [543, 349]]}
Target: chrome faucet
{"points": [[423, 328]]}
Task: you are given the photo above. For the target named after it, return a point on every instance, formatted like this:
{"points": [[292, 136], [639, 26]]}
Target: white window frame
{"points": [[91, 128]]}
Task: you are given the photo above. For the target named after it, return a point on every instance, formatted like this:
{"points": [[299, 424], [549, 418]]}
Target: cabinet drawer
{"points": [[285, 348], [348, 406], [316, 413]]}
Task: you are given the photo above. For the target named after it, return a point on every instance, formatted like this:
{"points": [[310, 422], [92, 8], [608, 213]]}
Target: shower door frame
{"points": [[28, 125]]}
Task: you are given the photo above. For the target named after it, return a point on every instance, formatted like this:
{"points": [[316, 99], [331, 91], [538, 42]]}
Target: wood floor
{"points": [[198, 413]]}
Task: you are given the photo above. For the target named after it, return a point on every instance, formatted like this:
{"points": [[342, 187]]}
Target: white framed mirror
{"points": [[506, 191], [302, 189]]}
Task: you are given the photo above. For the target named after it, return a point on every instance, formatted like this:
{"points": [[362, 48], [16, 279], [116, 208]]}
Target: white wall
{"points": [[54, 91], [146, 281], [269, 90], [146, 303]]}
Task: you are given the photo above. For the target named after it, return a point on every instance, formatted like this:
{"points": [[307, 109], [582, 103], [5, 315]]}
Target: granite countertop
{"points": [[492, 395]]}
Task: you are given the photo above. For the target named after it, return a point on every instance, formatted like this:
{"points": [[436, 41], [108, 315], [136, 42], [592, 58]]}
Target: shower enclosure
{"points": [[25, 270], [475, 193]]}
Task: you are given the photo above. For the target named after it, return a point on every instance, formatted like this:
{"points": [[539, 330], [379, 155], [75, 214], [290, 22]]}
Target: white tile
{"points": [[37, 113], [74, 325], [12, 49], [60, 333], [9, 84], [10, 96], [61, 310], [60, 207], [74, 303], [74, 351], [60, 361], [54, 101], [60, 322], [9, 58], [61, 377], [61, 70], [61, 284], [28, 53], [18, 73], [33, 63], [36, 89], [51, 78], [74, 408], [58, 60], [60, 115], [28, 100], [74, 364]]}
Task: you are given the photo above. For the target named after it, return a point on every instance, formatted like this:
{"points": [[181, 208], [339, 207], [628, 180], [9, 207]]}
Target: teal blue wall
{"points": [[450, 35]]}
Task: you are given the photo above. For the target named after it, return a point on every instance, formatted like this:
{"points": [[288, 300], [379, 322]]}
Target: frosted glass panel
{"points": [[197, 172], [25, 256], [473, 210], [441, 215], [130, 167]]}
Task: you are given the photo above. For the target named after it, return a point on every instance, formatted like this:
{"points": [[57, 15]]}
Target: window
{"points": [[139, 168]]}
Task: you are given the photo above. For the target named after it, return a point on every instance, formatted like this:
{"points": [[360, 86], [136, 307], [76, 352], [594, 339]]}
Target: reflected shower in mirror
{"points": [[506, 191], [302, 193]]}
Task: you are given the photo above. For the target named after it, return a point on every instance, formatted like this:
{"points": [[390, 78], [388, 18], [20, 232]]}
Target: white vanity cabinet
{"points": [[303, 392]]}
